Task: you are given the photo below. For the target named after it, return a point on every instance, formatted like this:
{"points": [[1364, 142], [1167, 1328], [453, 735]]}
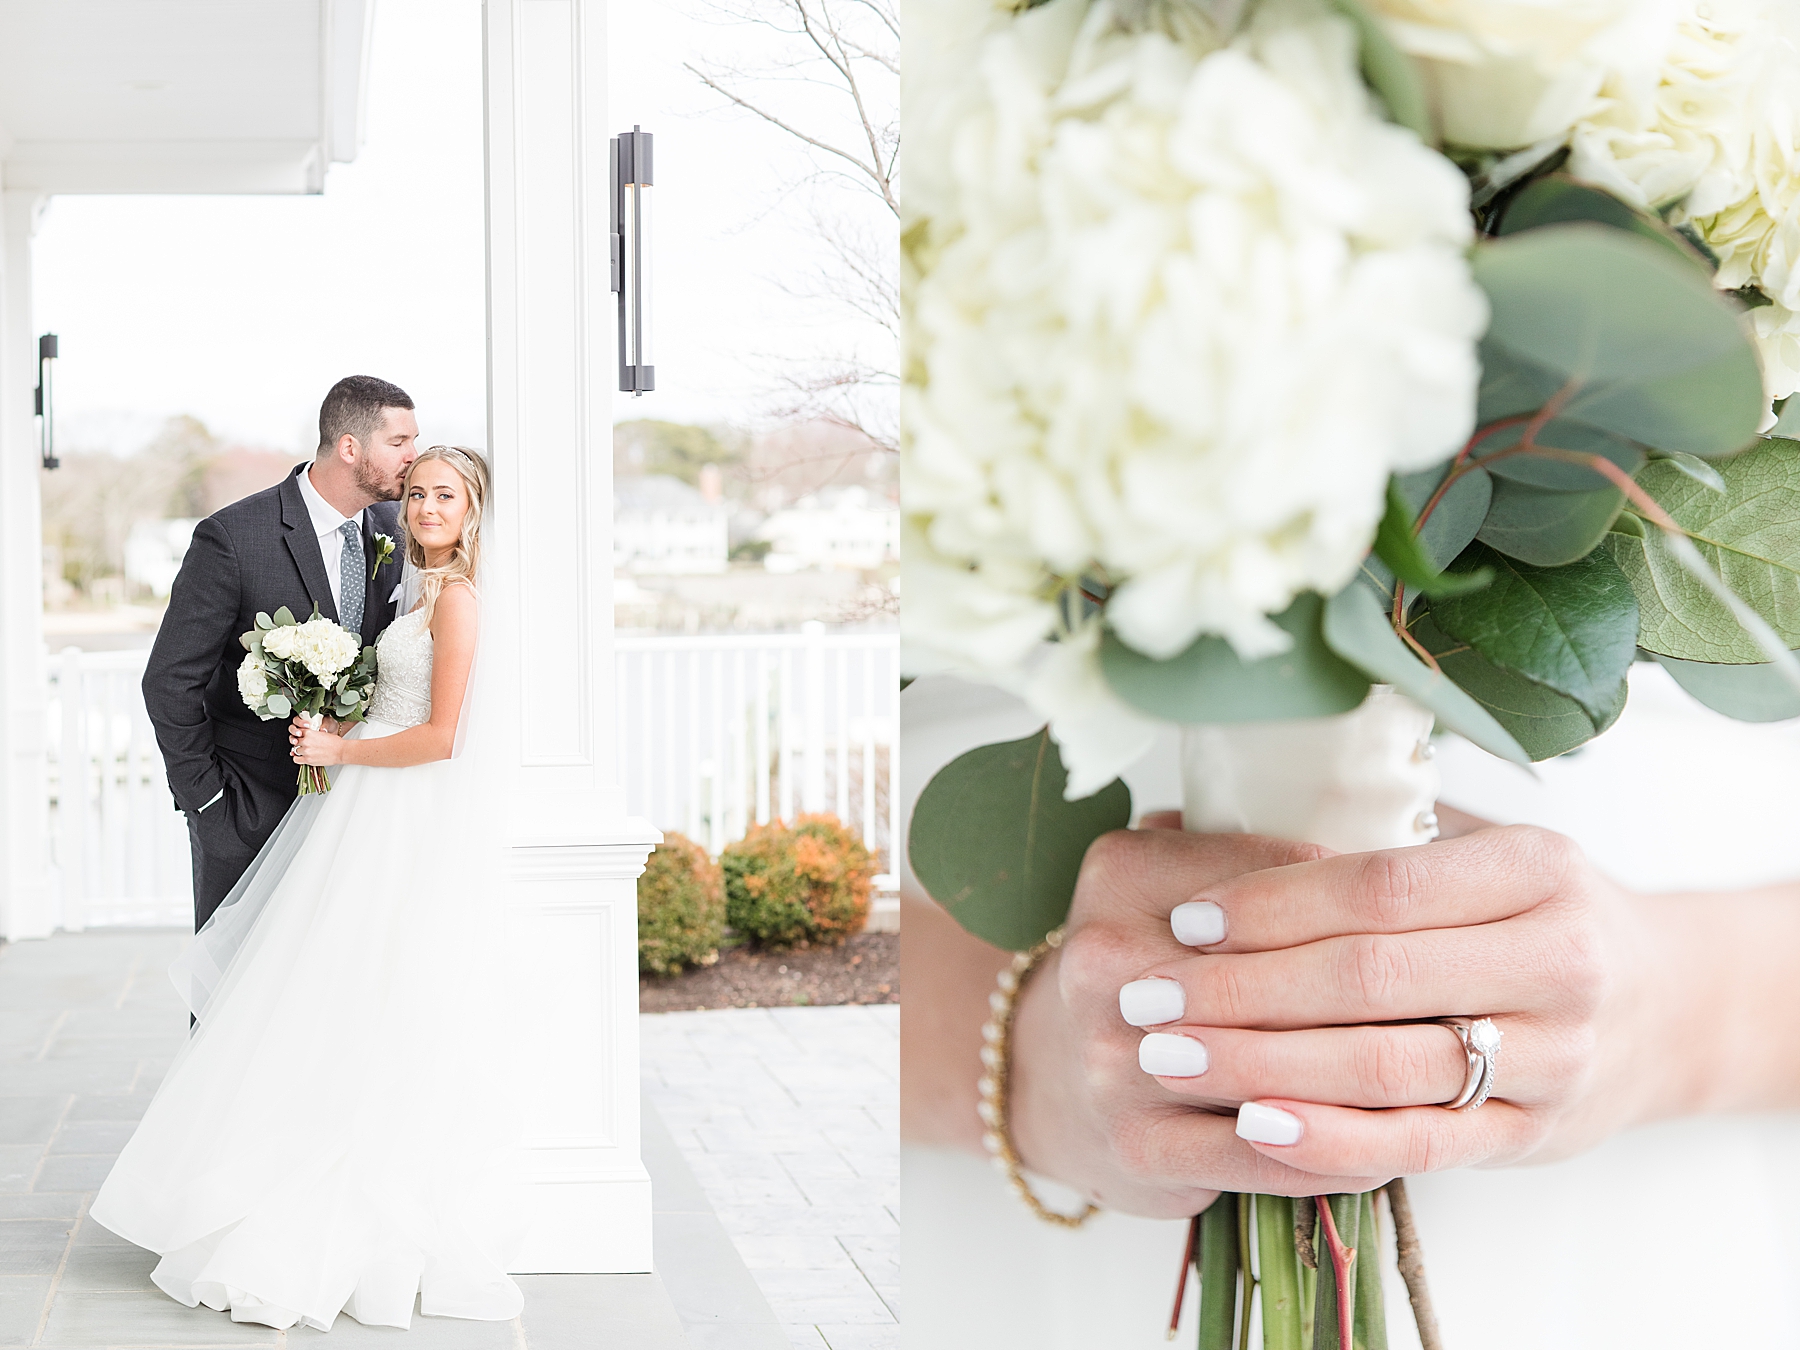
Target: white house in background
{"points": [[660, 524], [209, 97], [153, 553], [838, 527]]}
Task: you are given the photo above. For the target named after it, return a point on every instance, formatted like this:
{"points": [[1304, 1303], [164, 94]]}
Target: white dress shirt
{"points": [[326, 524]]}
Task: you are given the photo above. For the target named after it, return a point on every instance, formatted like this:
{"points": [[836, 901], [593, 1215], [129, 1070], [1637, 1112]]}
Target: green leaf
{"points": [[1359, 631], [1398, 546], [1572, 629], [284, 618], [1694, 467], [278, 705], [1544, 722], [1390, 72], [1559, 433], [994, 843], [1788, 423], [1452, 524], [1656, 355], [1548, 528], [1209, 682], [263, 621], [1750, 537], [1748, 693], [1557, 199]]}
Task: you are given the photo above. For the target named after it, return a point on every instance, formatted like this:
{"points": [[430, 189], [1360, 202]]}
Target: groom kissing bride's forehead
{"points": [[323, 538]]}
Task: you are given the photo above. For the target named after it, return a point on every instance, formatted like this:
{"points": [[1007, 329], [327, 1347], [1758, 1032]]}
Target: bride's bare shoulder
{"points": [[457, 608]]}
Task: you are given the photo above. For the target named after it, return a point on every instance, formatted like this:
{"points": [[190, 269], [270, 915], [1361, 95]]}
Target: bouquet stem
{"points": [[1218, 1273], [313, 779]]}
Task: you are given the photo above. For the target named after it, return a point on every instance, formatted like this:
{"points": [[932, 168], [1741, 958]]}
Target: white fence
{"points": [[714, 734]]}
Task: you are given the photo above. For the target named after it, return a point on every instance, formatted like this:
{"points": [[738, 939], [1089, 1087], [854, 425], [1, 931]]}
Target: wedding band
{"points": [[1481, 1043]]}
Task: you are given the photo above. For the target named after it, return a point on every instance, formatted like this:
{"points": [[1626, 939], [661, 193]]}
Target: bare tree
{"points": [[832, 86]]}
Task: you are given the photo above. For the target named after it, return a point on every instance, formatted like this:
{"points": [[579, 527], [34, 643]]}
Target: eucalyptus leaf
{"points": [[1557, 199], [1649, 350], [1543, 722], [1750, 537], [263, 621], [1452, 524], [1390, 72], [1209, 682], [1358, 630], [994, 843], [1788, 423], [1397, 545], [1572, 629], [1694, 467], [284, 618], [1548, 528], [1559, 433], [278, 705], [1748, 693]]}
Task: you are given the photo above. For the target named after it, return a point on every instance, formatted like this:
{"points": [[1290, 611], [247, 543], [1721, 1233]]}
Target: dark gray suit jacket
{"points": [[257, 554]]}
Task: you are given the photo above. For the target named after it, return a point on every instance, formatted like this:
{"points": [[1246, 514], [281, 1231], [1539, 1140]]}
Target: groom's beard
{"points": [[376, 487]]}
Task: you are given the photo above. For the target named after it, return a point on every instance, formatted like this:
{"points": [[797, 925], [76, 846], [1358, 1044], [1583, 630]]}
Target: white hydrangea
{"points": [[253, 680], [1174, 313], [1505, 74], [323, 647], [1715, 138]]}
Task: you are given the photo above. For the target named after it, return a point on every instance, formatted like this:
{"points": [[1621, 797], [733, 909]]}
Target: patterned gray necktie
{"points": [[351, 582]]}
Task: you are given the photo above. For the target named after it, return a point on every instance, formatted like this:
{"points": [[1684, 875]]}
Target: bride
{"points": [[333, 1136]]}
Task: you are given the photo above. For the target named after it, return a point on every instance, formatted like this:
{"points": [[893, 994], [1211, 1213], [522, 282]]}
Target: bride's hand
{"points": [[1082, 1111], [1582, 979], [315, 745]]}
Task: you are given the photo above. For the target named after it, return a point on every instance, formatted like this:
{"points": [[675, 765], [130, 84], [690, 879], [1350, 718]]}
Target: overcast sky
{"points": [[243, 311]]}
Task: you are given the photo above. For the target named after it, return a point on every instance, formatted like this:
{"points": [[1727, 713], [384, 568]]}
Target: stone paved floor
{"points": [[789, 1119], [88, 1024]]}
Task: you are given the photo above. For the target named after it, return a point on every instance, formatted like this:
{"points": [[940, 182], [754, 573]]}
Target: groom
{"points": [[311, 540]]}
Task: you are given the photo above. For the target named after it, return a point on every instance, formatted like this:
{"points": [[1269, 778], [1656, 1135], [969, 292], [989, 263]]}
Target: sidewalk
{"points": [[789, 1119], [88, 1024]]}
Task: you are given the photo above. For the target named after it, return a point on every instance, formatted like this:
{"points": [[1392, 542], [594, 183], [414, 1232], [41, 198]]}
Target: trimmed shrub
{"points": [[807, 883], [681, 908]]}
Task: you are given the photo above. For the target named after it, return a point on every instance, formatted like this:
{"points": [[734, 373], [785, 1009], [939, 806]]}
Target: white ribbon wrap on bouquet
{"points": [[1361, 780]]}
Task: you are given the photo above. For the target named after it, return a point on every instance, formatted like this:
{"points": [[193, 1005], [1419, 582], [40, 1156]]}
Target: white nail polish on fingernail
{"points": [[1150, 1003], [1198, 923], [1171, 1056], [1267, 1125]]}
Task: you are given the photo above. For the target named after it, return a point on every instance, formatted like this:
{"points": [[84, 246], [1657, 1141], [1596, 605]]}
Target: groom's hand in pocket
{"points": [[1082, 1111]]}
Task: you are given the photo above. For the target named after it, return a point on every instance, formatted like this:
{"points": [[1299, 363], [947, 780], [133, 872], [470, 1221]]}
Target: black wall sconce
{"points": [[632, 177], [46, 422]]}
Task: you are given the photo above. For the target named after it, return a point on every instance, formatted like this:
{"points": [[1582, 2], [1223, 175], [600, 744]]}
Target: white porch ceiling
{"points": [[179, 96]]}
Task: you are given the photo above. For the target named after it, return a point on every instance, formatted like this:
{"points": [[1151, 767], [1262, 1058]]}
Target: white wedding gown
{"points": [[1676, 1235], [335, 1136]]}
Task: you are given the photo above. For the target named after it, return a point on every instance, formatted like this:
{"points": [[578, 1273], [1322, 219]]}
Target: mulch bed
{"points": [[866, 969]]}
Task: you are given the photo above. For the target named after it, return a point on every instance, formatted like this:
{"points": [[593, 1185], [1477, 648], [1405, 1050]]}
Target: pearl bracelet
{"points": [[996, 1080]]}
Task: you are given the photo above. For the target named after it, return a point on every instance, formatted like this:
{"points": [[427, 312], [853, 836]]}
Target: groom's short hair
{"points": [[353, 408]]}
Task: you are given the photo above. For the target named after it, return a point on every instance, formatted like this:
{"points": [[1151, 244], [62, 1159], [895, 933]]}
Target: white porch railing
{"points": [[714, 733]]}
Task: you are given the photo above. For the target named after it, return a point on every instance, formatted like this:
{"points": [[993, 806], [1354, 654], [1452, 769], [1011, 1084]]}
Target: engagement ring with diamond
{"points": [[1480, 1040]]}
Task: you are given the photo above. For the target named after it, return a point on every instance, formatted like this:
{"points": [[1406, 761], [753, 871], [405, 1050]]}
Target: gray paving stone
{"points": [[17, 1164], [861, 1337], [92, 1136], [589, 1312], [83, 1320], [39, 1207], [52, 1076], [91, 1234], [33, 1246], [31, 1120], [127, 1106], [426, 1333], [114, 1268], [806, 1338], [74, 1172], [157, 1048], [822, 1296], [21, 1308]]}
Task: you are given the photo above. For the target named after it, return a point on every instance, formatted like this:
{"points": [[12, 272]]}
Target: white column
{"points": [[26, 902], [572, 932]]}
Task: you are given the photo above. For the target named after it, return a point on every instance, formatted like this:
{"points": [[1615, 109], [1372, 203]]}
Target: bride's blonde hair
{"points": [[465, 554]]}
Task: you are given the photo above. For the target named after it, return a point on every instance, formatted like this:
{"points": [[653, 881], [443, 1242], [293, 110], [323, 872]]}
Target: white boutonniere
{"points": [[384, 549]]}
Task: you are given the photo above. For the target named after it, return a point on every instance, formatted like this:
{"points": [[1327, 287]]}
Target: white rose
{"points": [[1503, 74], [253, 680], [279, 642], [1178, 316], [324, 648]]}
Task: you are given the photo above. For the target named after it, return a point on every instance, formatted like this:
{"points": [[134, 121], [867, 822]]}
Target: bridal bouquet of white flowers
{"points": [[1262, 353], [311, 668]]}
